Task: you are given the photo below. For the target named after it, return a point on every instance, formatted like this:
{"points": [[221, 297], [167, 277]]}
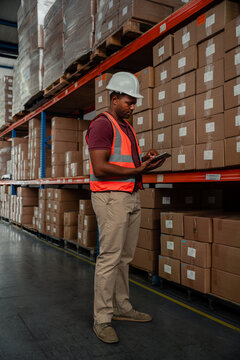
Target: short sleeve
{"points": [[100, 135]]}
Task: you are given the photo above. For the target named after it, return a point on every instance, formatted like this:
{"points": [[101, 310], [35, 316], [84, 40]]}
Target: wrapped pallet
{"points": [[5, 100]]}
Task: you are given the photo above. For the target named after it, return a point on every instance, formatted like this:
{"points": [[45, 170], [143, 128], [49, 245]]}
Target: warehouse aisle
{"points": [[46, 313]]}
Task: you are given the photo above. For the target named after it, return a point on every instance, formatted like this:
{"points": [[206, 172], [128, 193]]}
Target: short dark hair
{"points": [[117, 94]]}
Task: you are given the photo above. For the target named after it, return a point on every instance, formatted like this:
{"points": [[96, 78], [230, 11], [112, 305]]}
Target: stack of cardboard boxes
{"points": [[87, 224], [6, 89], [20, 166], [5, 157], [5, 201], [70, 226], [73, 164], [102, 100]]}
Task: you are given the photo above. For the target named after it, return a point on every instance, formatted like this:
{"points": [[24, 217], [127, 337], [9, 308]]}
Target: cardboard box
{"points": [[226, 285], [145, 103], [58, 218], [198, 227], [196, 253], [145, 259], [142, 121], [101, 82], [41, 227], [58, 171], [226, 230], [162, 116], [62, 123], [86, 168], [70, 218], [232, 93], [70, 233], [195, 277], [183, 86], [214, 19], [171, 246], [80, 221], [67, 170], [102, 100], [148, 239], [210, 103], [150, 219], [210, 155], [73, 156], [42, 194], [232, 34], [65, 135], [184, 62], [211, 50], [162, 95], [232, 151], [232, 122], [212, 198], [90, 223], [57, 231], [62, 146], [85, 207], [76, 169], [162, 138], [63, 206], [145, 140], [167, 165], [67, 195], [169, 269], [158, 198], [85, 154], [163, 50], [184, 134], [146, 78], [226, 258], [50, 194], [210, 76], [42, 204], [48, 217], [184, 110], [58, 159], [28, 201], [172, 223], [183, 158], [185, 37], [162, 73], [87, 239], [210, 129], [232, 64]]}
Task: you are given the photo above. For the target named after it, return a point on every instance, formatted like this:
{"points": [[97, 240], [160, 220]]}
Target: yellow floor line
{"points": [[210, 317]]}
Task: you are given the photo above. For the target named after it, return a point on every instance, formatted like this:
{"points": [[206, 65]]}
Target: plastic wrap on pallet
{"points": [[6, 100], [5, 155], [78, 18], [53, 50], [17, 105]]}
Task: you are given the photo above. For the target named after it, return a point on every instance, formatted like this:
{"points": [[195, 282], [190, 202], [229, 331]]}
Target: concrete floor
{"points": [[46, 313]]}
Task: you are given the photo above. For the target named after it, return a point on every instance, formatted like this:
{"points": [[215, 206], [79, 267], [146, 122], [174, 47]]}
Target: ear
{"points": [[115, 100]]}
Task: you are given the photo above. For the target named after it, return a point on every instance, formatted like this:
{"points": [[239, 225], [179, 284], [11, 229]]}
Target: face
{"points": [[124, 106]]}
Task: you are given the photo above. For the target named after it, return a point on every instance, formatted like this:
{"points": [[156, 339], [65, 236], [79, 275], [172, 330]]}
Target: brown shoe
{"points": [[106, 333], [133, 315]]}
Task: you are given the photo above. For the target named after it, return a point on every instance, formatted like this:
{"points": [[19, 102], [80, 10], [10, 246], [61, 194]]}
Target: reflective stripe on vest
{"points": [[121, 155]]}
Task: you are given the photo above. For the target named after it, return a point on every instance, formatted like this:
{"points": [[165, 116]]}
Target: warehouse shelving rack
{"points": [[80, 93]]}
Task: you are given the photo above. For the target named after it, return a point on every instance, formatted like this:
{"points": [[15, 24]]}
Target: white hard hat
{"points": [[126, 83]]}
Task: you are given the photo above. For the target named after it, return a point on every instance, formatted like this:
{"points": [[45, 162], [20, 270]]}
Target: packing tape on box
{"points": [[209, 76], [208, 104], [236, 90], [182, 62], [210, 21], [210, 51], [181, 158], [186, 37], [237, 31], [182, 87]]}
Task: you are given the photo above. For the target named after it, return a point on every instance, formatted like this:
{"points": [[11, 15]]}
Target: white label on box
{"points": [[85, 222], [48, 227], [161, 51], [167, 269], [139, 102], [170, 245], [87, 166], [182, 131], [81, 207], [141, 142], [237, 120], [54, 219], [100, 83], [210, 127], [48, 217], [181, 159], [124, 11], [100, 99], [54, 230], [208, 154], [191, 275], [140, 120], [55, 207], [181, 88], [182, 62], [169, 224], [110, 24], [208, 104], [237, 90], [238, 31], [208, 76], [10, 96], [49, 206], [86, 151], [79, 235], [99, 35], [161, 95], [185, 38], [160, 117], [182, 110], [100, 16], [210, 50], [188, 200], [166, 200], [110, 5], [160, 137], [163, 75], [210, 20], [9, 103], [238, 146], [40, 215], [237, 59], [41, 206], [191, 252]]}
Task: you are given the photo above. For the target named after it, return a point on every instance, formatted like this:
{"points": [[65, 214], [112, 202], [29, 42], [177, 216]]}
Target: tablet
{"points": [[160, 157]]}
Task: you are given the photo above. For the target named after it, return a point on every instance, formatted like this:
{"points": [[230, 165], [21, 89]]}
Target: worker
{"points": [[116, 168]]}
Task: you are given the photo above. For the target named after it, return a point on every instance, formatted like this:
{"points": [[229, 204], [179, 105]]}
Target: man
{"points": [[115, 177]]}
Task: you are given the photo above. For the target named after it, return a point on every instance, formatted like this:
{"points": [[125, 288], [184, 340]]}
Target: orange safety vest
{"points": [[121, 155]]}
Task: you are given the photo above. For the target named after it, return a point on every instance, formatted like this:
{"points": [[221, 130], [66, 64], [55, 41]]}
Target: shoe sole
{"points": [[129, 319], [106, 342]]}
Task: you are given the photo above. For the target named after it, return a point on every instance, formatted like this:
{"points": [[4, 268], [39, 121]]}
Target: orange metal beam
{"points": [[176, 18]]}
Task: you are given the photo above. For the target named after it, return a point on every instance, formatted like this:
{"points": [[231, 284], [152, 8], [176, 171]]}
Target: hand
{"points": [[147, 166], [150, 154]]}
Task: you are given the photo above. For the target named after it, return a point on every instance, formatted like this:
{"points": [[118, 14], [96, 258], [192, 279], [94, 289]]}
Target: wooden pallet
{"points": [[54, 88], [19, 115], [78, 67], [148, 275], [34, 101]]}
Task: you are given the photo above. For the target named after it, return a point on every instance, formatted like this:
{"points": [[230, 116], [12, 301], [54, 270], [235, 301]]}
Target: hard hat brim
{"points": [[137, 96]]}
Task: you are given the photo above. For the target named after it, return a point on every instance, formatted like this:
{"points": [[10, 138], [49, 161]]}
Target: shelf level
{"points": [[156, 32]]}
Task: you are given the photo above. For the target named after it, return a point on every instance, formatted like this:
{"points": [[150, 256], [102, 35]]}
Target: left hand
{"points": [[150, 154]]}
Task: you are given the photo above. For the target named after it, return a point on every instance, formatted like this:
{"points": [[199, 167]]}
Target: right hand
{"points": [[147, 166]]}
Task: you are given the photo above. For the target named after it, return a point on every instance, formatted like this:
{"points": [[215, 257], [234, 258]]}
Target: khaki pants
{"points": [[118, 216]]}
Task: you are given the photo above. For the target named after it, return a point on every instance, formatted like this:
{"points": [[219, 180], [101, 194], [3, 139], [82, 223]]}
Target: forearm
{"points": [[110, 170]]}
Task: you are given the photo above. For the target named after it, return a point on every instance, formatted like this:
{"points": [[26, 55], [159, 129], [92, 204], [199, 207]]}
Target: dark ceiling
{"points": [[8, 28]]}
